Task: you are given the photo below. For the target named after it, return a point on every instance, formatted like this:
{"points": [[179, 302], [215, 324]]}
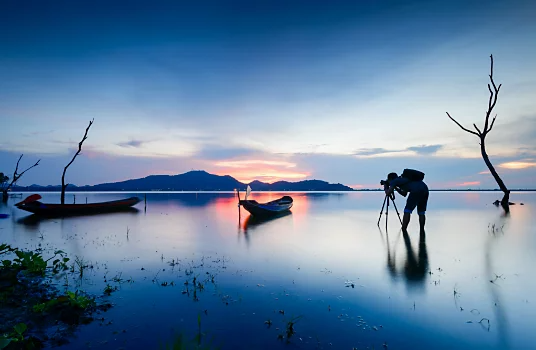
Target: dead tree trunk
{"points": [[493, 94], [506, 197], [63, 184], [16, 177]]}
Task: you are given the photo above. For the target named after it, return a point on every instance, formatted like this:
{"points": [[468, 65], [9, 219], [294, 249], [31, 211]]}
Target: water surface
{"points": [[352, 283]]}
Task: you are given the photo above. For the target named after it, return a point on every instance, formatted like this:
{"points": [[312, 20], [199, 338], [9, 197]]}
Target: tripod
{"points": [[387, 199]]}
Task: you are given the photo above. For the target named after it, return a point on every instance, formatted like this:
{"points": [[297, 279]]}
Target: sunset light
{"points": [[264, 175], [248, 163], [518, 165], [266, 172], [469, 183], [263, 170]]}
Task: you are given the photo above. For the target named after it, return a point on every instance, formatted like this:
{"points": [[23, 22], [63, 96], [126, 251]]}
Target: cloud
{"points": [[424, 149], [249, 163], [38, 133], [366, 152], [132, 143], [468, 183], [217, 152], [247, 170], [409, 151], [516, 165]]}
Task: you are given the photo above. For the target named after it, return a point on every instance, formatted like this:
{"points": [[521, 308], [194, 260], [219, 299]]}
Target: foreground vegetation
{"points": [[33, 311]]}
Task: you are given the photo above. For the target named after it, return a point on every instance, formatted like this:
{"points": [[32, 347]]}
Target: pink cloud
{"points": [[468, 183]]}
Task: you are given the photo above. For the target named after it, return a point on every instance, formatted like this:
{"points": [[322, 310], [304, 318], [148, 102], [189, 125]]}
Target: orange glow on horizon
{"points": [[249, 163], [356, 187], [268, 171], [266, 176]]}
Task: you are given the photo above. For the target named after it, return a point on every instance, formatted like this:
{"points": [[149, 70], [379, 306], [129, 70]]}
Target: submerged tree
{"points": [[63, 184], [493, 94], [16, 176]]}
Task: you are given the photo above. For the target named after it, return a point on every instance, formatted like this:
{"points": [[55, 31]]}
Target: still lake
{"points": [[470, 284]]}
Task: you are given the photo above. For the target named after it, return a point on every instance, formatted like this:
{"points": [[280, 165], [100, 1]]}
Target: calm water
{"points": [[353, 284]]}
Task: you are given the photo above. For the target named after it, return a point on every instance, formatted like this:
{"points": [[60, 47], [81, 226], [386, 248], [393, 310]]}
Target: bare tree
{"points": [[16, 177], [493, 94], [63, 184]]}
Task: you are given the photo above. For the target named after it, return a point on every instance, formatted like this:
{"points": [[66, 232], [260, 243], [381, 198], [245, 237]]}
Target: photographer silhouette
{"points": [[411, 181]]}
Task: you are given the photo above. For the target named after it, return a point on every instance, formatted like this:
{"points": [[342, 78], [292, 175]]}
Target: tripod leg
{"points": [[386, 213], [397, 213], [382, 210]]}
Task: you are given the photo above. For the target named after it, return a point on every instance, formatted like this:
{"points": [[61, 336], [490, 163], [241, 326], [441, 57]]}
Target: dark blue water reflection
{"points": [[352, 283]]}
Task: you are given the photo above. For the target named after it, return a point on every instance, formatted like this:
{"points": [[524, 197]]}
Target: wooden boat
{"points": [[272, 208], [33, 205]]}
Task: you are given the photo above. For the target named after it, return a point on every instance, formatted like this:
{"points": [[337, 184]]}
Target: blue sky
{"points": [[344, 91]]}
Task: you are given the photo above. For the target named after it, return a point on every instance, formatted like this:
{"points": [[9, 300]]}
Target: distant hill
{"points": [[198, 180]]}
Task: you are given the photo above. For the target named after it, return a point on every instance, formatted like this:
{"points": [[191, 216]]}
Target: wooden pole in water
{"points": [[74, 198], [145, 196], [238, 195]]}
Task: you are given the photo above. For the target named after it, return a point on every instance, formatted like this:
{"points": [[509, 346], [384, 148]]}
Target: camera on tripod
{"points": [[386, 184]]}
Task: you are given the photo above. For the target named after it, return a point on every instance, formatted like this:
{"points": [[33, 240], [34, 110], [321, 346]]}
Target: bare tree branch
{"points": [[477, 130], [492, 122], [469, 131], [492, 98], [63, 185], [16, 175]]}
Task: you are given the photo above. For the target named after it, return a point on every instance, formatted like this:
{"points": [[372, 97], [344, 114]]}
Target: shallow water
{"points": [[352, 283]]}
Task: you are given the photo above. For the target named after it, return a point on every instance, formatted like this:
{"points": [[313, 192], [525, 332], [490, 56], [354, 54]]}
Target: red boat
{"points": [[33, 205]]}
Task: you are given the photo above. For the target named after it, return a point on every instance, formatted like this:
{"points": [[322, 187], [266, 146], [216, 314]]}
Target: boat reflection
{"points": [[33, 221], [253, 222]]}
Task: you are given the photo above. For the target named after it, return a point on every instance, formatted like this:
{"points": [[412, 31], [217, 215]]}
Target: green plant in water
{"points": [[31, 261], [109, 289], [17, 335], [5, 248], [75, 300]]}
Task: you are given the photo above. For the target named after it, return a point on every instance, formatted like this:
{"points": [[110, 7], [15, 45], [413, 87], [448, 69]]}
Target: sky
{"points": [[342, 91]]}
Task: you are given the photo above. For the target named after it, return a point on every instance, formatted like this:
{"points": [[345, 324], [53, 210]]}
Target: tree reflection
{"points": [[498, 306]]}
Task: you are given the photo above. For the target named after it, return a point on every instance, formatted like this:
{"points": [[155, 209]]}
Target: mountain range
{"points": [[196, 180]]}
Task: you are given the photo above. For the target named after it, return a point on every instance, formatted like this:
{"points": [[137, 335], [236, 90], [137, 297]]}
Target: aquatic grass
{"points": [[197, 343], [80, 265], [109, 289]]}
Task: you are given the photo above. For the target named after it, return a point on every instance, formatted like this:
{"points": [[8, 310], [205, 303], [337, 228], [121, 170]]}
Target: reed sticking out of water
{"points": [[80, 264]]}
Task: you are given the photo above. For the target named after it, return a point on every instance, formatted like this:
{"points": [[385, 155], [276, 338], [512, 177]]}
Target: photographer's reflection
{"points": [[416, 264]]}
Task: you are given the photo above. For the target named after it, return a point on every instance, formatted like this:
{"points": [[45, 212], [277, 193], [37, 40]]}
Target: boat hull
{"points": [[46, 209], [269, 209]]}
